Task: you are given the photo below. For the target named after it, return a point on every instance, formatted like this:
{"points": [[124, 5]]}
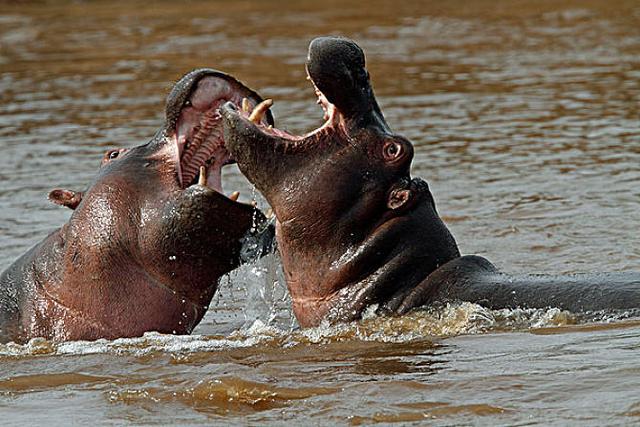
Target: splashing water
{"points": [[431, 323]]}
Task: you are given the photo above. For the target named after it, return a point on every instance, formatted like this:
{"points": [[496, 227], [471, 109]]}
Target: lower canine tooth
{"points": [[246, 107], [258, 112], [234, 196], [202, 179]]}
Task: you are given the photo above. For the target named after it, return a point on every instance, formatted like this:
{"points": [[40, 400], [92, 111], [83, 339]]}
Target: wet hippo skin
{"points": [[354, 229], [148, 240]]}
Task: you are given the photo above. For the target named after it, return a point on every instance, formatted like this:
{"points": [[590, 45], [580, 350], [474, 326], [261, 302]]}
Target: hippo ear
{"points": [[398, 199], [68, 198]]}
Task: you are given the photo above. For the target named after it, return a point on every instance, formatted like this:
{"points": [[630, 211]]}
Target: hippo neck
{"points": [[144, 302], [339, 283]]}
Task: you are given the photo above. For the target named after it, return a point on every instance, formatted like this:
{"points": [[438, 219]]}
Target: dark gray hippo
{"points": [[354, 229], [148, 240]]}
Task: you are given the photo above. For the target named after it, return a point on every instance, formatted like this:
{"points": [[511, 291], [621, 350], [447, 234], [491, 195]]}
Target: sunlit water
{"points": [[525, 118]]}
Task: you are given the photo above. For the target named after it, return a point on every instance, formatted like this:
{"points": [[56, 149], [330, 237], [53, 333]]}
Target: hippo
{"points": [[149, 239], [355, 230]]}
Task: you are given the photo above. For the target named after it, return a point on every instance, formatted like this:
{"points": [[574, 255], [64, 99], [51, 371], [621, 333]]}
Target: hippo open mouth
{"points": [[195, 125], [343, 91], [253, 118]]}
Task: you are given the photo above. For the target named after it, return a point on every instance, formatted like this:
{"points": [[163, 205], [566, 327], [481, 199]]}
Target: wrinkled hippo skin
{"points": [[354, 229], [148, 240]]}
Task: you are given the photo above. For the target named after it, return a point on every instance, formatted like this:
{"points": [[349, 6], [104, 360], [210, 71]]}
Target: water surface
{"points": [[525, 117]]}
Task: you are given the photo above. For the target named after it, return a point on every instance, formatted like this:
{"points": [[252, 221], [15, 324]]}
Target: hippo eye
{"points": [[392, 150], [113, 154]]}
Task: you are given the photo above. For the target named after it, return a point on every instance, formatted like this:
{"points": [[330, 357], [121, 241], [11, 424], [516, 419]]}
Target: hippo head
{"points": [[155, 223], [353, 228]]}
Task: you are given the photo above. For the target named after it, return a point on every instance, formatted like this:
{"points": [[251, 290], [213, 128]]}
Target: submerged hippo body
{"points": [[354, 229], [147, 241]]}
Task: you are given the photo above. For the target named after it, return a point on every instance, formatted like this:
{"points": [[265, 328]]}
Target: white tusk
{"points": [[202, 179], [258, 112], [246, 107]]}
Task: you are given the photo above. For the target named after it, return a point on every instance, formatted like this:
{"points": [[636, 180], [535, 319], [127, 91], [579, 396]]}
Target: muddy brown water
{"points": [[525, 117]]}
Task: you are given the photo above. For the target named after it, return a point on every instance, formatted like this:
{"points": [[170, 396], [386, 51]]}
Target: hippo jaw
{"points": [[210, 224], [191, 141], [194, 125], [353, 227]]}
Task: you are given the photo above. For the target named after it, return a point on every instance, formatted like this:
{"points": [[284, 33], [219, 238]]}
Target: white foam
{"points": [[436, 322]]}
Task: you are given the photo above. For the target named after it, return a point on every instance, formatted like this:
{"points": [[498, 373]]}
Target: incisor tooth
{"points": [[246, 107], [269, 214], [202, 179], [234, 196], [259, 110]]}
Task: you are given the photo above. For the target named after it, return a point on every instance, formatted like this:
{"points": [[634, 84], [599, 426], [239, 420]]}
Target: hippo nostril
{"points": [[230, 105]]}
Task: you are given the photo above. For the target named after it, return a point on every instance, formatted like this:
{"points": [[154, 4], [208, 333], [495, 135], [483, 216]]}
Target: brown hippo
{"points": [[148, 240], [354, 229]]}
